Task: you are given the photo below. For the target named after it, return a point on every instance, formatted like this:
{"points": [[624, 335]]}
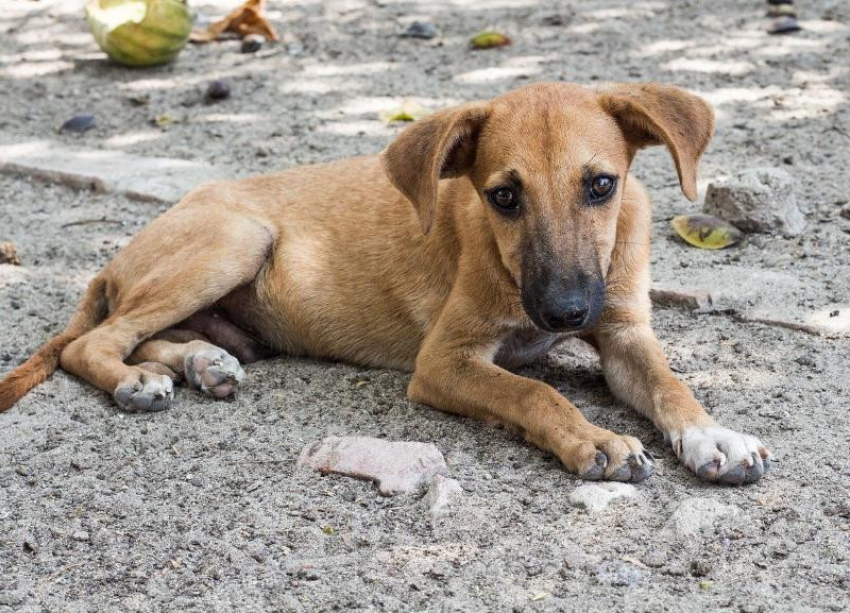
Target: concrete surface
{"points": [[201, 509]]}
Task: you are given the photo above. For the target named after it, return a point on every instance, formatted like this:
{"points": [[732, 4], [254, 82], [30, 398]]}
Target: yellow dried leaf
{"points": [[165, 119], [488, 39], [410, 110], [706, 231], [329, 530]]}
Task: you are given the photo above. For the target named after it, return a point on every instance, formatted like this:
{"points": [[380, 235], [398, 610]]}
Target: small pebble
{"points": [[78, 124], [784, 25], [421, 29], [252, 43], [81, 535], [218, 90]]}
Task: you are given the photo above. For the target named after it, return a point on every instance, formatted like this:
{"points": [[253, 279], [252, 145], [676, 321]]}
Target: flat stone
{"points": [[595, 497], [696, 517], [680, 298], [757, 200], [725, 289], [396, 467], [151, 179], [618, 574], [442, 492]]}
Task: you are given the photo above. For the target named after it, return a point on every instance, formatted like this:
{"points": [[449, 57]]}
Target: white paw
{"points": [[715, 453]]}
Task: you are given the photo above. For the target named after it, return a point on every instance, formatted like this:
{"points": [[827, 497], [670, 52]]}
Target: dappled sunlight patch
{"points": [[731, 45], [495, 73], [229, 118], [781, 103], [38, 69], [738, 377], [807, 103], [132, 138], [314, 86], [820, 26], [665, 46], [731, 67], [729, 95], [807, 76], [512, 68], [355, 128], [332, 70], [366, 105], [784, 46], [43, 55], [585, 28]]}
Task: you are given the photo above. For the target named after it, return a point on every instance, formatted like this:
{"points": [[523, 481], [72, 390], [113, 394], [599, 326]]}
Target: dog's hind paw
{"points": [[214, 372], [146, 393], [719, 454]]}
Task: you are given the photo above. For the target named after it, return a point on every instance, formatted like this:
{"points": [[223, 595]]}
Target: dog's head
{"points": [[549, 163]]}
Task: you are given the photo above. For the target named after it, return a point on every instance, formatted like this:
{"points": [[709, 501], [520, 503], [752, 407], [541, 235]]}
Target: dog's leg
{"points": [[156, 287], [205, 367], [637, 373], [464, 380]]}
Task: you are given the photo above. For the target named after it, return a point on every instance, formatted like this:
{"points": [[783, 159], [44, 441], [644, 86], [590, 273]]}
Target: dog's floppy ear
{"points": [[439, 146], [653, 114]]}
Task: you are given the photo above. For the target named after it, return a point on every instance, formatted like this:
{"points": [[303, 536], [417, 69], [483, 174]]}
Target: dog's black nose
{"points": [[568, 311]]}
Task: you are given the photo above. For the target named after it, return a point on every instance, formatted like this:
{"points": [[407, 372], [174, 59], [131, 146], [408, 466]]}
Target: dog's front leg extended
{"points": [[638, 374], [464, 380]]}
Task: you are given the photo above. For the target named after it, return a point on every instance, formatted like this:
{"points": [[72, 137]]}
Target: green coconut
{"points": [[140, 32]]}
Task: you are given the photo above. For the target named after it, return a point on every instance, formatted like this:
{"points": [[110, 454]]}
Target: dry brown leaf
{"points": [[9, 254], [242, 21]]}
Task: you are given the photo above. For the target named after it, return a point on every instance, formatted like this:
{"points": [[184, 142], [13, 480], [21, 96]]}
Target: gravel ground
{"points": [[200, 508]]}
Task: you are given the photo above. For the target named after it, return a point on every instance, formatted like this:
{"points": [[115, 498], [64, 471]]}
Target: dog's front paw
{"points": [[719, 454], [618, 458]]}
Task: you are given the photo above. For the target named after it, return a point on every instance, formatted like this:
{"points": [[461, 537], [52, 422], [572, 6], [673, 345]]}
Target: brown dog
{"points": [[526, 228]]}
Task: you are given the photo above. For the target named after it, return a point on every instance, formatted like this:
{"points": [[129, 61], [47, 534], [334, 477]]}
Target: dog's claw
{"points": [[597, 469]]}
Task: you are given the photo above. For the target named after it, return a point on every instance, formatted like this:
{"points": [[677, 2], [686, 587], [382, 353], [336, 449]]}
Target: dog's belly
{"points": [[299, 306], [527, 345]]}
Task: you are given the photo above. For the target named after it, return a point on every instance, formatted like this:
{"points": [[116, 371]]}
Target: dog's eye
{"points": [[503, 198], [601, 187]]}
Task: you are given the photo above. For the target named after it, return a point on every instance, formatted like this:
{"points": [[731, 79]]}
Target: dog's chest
{"points": [[524, 346]]}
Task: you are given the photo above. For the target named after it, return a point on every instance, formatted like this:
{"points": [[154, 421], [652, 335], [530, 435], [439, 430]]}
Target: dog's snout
{"points": [[566, 310], [564, 303]]}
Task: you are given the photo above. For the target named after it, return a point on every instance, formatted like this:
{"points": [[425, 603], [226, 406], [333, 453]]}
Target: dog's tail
{"points": [[90, 313]]}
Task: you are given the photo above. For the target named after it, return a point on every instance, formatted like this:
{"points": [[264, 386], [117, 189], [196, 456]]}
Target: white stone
{"points": [[595, 497], [697, 516], [159, 180], [442, 492], [757, 200], [397, 467]]}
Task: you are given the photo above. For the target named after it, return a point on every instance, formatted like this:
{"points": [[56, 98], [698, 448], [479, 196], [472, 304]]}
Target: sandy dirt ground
{"points": [[200, 508]]}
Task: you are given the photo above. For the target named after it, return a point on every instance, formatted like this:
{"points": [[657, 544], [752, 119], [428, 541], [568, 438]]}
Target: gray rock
{"points": [[442, 492], [695, 517], [396, 467], [149, 179], [81, 535], [618, 575], [421, 29], [757, 200], [595, 497]]}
